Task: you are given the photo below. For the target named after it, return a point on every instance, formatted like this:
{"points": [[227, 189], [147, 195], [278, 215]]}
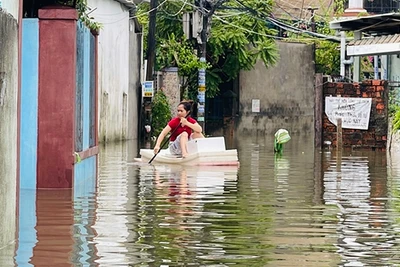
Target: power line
{"points": [[276, 23], [288, 27]]}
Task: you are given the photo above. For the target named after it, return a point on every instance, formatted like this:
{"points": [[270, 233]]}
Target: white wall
{"points": [[8, 127], [113, 74], [11, 6], [394, 70]]}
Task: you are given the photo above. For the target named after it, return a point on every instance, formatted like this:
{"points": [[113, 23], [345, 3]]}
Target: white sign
{"points": [[353, 111], [201, 96], [148, 89], [255, 105]]}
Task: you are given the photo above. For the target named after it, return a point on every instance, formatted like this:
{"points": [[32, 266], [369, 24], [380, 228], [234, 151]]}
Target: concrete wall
{"points": [[134, 93], [285, 91], [29, 103], [8, 126], [85, 108], [85, 177], [114, 68], [11, 7], [85, 170]]}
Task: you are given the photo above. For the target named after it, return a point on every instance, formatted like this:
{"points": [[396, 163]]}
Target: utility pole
{"points": [[151, 41], [145, 117], [201, 90], [313, 26], [207, 9]]}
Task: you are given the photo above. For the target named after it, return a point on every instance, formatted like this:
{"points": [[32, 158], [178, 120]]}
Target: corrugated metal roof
{"points": [[385, 39], [381, 24]]}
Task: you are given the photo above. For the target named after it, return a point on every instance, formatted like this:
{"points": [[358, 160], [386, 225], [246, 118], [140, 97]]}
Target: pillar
{"points": [[56, 101]]}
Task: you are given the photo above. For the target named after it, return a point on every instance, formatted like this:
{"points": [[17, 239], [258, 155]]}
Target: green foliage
{"points": [[327, 53], [175, 53], [238, 41], [235, 43], [82, 7], [396, 119], [160, 112], [394, 108]]}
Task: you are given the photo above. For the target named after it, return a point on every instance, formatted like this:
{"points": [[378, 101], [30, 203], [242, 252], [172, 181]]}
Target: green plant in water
{"points": [[160, 112]]}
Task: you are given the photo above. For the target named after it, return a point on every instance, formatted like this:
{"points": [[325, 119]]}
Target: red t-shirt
{"points": [[176, 122]]}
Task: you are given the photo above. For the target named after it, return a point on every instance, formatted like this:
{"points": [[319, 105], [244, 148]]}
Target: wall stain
{"points": [[2, 88]]}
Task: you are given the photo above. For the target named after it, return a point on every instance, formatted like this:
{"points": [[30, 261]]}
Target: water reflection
{"points": [[177, 216], [305, 207], [54, 226], [359, 188]]}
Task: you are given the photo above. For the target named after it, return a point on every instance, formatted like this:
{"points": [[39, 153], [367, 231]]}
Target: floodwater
{"points": [[303, 208]]}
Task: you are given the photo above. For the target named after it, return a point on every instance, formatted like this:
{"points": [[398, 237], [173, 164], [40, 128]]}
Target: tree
{"points": [[327, 53], [237, 40]]}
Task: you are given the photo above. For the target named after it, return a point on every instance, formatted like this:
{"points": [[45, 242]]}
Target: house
{"points": [[79, 87], [119, 68], [376, 35]]}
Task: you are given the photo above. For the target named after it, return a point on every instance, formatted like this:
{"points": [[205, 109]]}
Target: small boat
{"points": [[209, 151]]}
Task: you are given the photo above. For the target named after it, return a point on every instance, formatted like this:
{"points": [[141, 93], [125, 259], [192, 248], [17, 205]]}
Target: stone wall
{"points": [[170, 84], [376, 135], [8, 125]]}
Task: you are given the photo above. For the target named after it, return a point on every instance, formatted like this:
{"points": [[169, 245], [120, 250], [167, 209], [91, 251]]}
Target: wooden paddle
{"points": [[166, 141]]}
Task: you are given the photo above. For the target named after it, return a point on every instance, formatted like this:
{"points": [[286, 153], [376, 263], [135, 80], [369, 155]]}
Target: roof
{"points": [[381, 24], [386, 39], [382, 45]]}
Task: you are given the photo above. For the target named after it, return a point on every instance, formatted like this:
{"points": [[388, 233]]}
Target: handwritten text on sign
{"points": [[353, 111]]}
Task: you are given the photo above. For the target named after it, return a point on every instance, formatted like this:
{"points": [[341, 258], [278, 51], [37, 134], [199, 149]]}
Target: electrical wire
{"points": [[289, 27], [180, 10], [290, 5], [247, 30], [149, 11], [277, 23], [228, 15]]}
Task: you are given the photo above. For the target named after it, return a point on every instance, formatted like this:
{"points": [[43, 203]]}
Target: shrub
{"points": [[160, 112]]}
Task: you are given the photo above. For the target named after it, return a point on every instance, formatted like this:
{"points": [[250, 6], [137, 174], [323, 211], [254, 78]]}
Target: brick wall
{"points": [[376, 135]]}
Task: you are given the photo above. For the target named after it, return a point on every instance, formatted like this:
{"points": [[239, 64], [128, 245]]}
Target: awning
{"points": [[381, 24], [382, 45]]}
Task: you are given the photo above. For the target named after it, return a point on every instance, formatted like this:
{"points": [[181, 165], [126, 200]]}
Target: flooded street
{"points": [[302, 208]]}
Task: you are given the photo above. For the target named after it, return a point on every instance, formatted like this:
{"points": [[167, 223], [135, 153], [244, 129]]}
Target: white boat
{"points": [[209, 151]]}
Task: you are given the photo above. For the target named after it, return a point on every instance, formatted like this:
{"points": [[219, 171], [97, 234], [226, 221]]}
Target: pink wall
{"points": [[57, 82]]}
